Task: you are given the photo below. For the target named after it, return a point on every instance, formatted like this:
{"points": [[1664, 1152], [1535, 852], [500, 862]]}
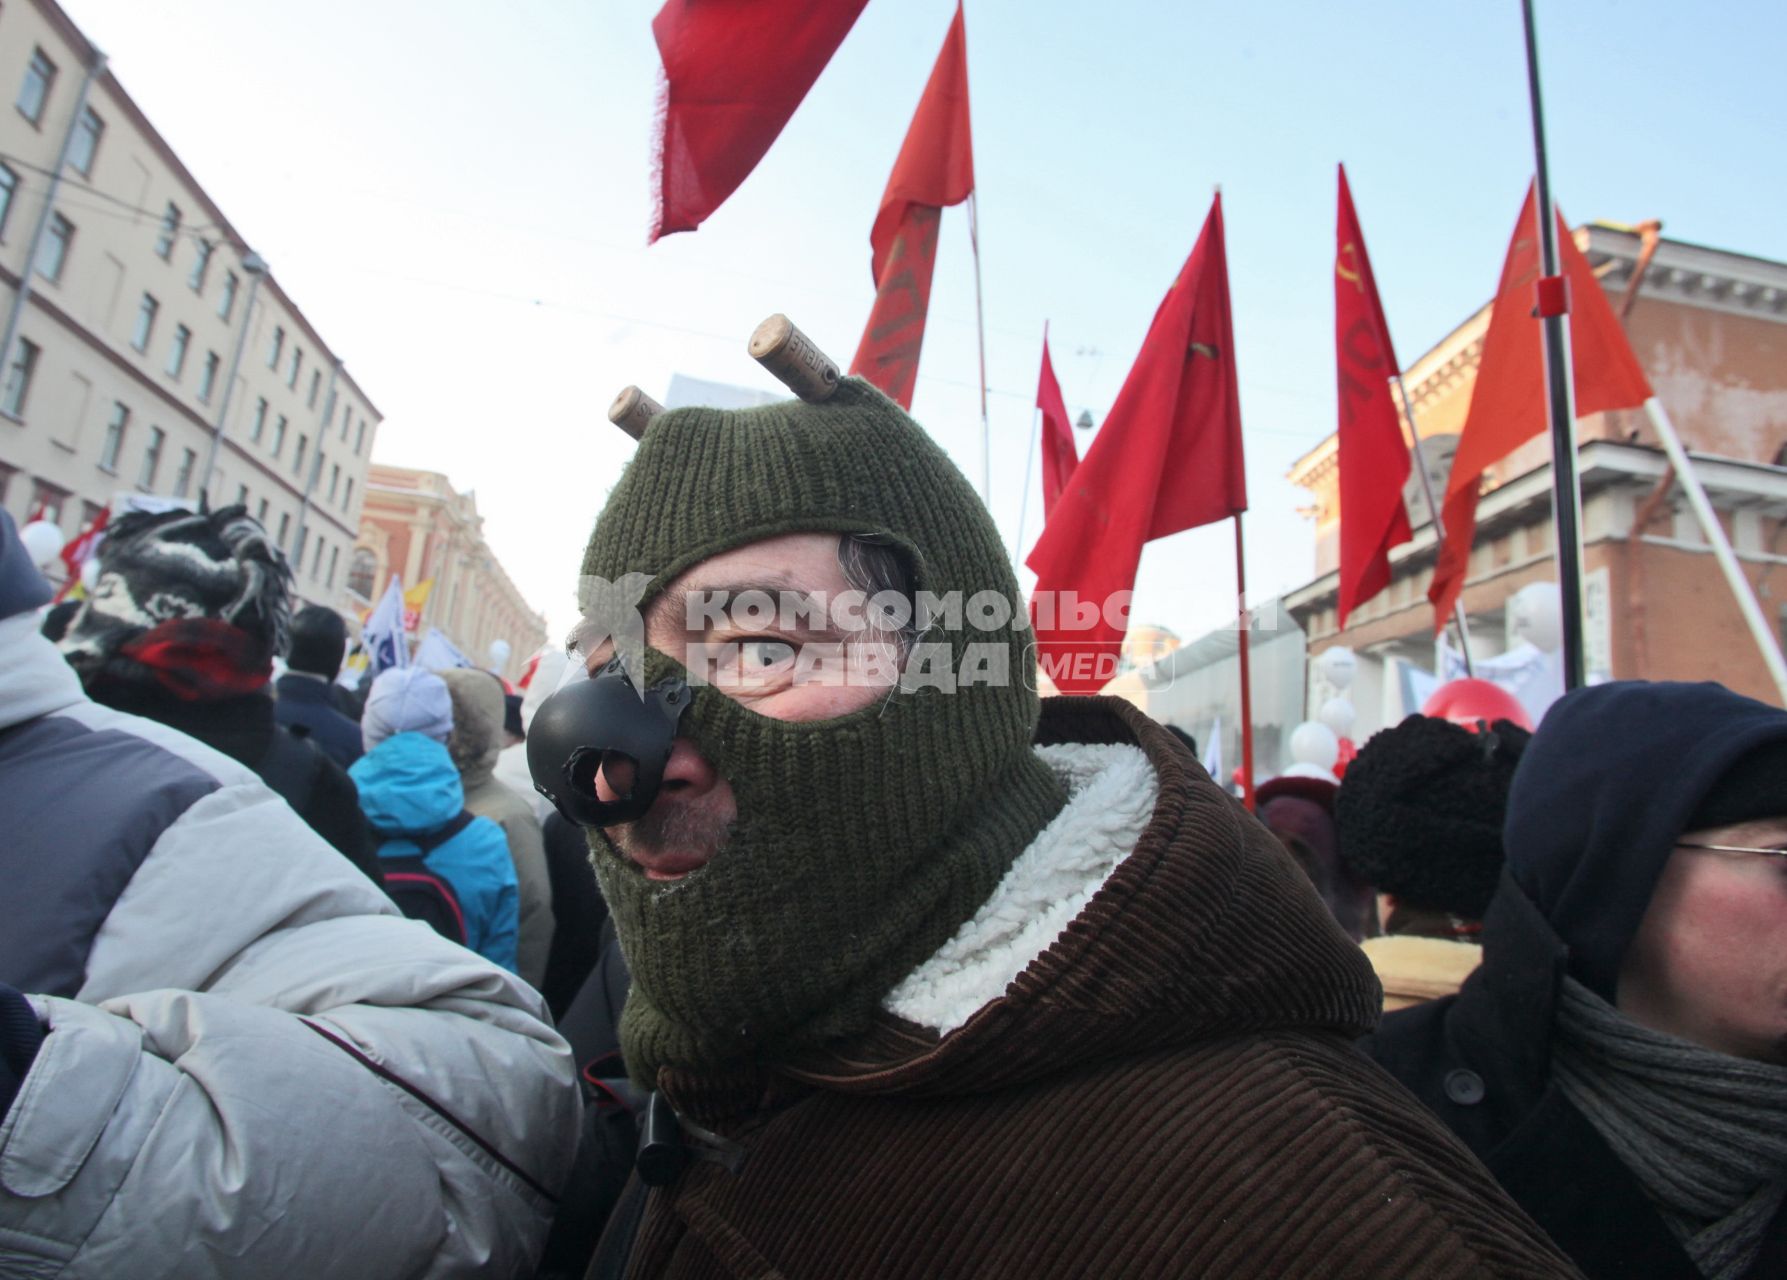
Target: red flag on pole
{"points": [[935, 169], [733, 75], [81, 549], [1374, 458], [1059, 457], [1508, 399], [1167, 458]]}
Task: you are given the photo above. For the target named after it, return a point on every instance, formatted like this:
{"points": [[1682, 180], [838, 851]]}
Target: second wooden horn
{"points": [[632, 410], [793, 357]]}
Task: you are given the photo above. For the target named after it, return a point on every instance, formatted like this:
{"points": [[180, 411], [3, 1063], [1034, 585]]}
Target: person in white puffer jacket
{"points": [[223, 1053]]}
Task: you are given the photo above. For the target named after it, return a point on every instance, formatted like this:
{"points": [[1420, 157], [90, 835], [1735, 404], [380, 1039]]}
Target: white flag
{"points": [[437, 653], [382, 637], [1213, 753]]}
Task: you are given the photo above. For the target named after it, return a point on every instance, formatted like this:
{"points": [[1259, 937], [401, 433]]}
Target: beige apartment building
{"points": [[416, 526], [147, 349], [1710, 329]]}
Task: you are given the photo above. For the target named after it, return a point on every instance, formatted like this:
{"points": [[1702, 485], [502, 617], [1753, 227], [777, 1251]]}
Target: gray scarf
{"points": [[1705, 1134]]}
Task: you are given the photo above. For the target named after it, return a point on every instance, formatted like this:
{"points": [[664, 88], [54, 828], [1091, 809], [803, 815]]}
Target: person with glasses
{"points": [[1619, 1061]]}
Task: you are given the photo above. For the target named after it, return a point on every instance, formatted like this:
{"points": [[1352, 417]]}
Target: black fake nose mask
{"points": [[602, 726]]}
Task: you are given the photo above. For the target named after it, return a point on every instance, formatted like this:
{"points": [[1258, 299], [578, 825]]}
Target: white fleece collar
{"points": [[1111, 792]]}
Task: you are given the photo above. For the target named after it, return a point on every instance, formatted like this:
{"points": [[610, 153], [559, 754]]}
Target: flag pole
{"points": [[1246, 672], [1029, 464], [1721, 545], [1439, 527], [1553, 310], [980, 327]]}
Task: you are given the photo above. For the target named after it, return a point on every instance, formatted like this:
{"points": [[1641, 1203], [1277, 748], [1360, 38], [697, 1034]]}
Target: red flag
{"points": [[935, 169], [1374, 458], [733, 75], [1508, 399], [1059, 457], [1167, 458]]}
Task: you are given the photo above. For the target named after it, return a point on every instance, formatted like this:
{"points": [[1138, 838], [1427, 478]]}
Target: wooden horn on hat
{"points": [[633, 410], [793, 357]]}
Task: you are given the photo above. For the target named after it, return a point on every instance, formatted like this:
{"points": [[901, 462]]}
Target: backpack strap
{"points": [[427, 844]]}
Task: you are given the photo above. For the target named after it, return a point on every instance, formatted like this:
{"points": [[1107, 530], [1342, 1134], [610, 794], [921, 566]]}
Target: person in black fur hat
{"points": [[182, 625], [1420, 819]]}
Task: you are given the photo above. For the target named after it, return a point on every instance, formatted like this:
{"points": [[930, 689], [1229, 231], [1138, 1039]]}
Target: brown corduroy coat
{"points": [[1168, 1090]]}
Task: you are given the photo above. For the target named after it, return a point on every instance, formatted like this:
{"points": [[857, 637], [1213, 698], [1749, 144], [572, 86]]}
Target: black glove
{"points": [[20, 1035]]}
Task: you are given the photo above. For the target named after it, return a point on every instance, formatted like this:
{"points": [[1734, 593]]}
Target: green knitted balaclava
{"points": [[862, 842]]}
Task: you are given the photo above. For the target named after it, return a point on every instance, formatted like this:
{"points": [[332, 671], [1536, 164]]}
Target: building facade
{"points": [[1710, 330], [147, 349], [416, 526]]}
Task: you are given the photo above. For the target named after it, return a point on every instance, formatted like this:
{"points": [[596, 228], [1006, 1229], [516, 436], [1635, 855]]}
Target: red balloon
{"points": [[1471, 703]]}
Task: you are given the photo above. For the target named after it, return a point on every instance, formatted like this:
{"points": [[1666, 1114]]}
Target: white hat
{"points": [[406, 700]]}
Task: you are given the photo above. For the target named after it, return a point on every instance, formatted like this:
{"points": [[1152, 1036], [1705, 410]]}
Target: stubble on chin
{"points": [[674, 828]]}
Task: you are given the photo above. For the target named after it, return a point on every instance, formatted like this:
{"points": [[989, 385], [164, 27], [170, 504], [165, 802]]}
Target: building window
{"points": [[279, 436], [260, 420], [89, 515], [291, 377], [329, 413], [147, 310], [9, 185], [177, 352], [208, 375], [347, 497], [316, 560], [7, 472], [170, 231], [34, 94], [360, 570], [285, 527], [86, 142], [113, 444], [183, 477], [334, 563], [278, 347], [242, 496], [360, 437], [227, 303], [298, 455], [260, 513], [334, 480], [201, 263], [316, 383], [18, 380], [53, 256], [298, 549], [47, 500], [152, 458]]}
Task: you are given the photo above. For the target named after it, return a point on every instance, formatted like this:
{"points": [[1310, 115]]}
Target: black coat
{"points": [[1611, 780], [306, 705]]}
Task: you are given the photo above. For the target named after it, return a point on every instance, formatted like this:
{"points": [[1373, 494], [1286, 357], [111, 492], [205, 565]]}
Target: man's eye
{"points": [[758, 656]]}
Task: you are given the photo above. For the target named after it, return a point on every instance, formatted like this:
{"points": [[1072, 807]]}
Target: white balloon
{"points": [[1340, 715], [499, 652], [43, 542], [1338, 665], [90, 573], [1313, 742], [1539, 615]]}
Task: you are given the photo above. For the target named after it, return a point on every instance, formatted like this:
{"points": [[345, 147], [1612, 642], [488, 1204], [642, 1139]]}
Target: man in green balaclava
{"points": [[932, 978]]}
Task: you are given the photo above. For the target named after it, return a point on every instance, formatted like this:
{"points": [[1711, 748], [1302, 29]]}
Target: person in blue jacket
{"points": [[410, 791]]}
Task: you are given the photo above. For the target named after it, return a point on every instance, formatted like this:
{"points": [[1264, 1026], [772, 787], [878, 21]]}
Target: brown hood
{"points": [[1206, 930], [477, 736]]}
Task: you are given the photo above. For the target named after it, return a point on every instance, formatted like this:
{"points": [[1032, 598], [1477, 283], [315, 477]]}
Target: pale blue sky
{"points": [[460, 205]]}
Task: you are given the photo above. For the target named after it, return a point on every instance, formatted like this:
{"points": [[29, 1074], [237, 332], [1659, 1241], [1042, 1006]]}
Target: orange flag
{"points": [[1374, 458], [935, 169], [1508, 400]]}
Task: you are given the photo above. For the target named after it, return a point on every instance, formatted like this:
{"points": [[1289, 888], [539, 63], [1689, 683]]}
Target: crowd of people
{"points": [[819, 979]]}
